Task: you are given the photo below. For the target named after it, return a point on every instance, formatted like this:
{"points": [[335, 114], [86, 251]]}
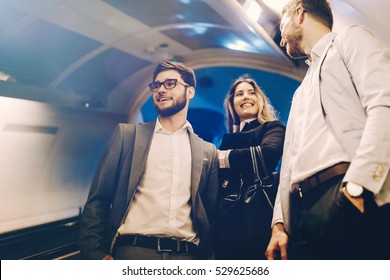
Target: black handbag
{"points": [[264, 183], [244, 224]]}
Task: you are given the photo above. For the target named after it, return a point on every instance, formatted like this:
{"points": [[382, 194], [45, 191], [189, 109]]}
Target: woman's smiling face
{"points": [[246, 101]]}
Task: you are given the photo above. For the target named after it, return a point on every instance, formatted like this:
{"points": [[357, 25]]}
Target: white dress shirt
{"points": [[313, 147], [161, 205]]}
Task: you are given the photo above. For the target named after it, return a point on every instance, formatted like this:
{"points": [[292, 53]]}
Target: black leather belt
{"points": [[161, 244], [321, 177]]}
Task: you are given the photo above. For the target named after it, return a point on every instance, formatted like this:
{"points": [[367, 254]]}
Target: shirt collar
{"points": [[319, 48], [159, 128], [243, 123]]}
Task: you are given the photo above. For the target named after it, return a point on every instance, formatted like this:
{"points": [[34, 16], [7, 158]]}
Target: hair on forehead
{"points": [[186, 73], [319, 9]]}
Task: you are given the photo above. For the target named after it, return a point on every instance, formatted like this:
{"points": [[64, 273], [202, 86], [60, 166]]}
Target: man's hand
{"points": [[108, 257], [358, 202], [278, 243]]}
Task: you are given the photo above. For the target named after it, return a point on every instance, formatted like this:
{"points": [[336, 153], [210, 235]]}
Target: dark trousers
{"points": [[139, 253], [326, 225]]}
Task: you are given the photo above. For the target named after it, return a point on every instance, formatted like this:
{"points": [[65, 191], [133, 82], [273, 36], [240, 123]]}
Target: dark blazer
{"points": [[116, 181], [242, 241], [269, 136]]}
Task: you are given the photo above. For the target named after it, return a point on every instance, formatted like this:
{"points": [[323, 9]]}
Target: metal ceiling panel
{"points": [[38, 53], [103, 73], [9, 16], [205, 38], [164, 12]]}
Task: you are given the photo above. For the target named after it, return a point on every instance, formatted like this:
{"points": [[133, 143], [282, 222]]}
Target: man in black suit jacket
{"points": [[137, 211]]}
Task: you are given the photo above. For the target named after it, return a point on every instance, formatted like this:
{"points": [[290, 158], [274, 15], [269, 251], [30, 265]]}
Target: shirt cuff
{"points": [[223, 158]]}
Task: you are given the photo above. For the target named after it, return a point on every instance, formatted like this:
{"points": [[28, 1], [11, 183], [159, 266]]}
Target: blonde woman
{"points": [[251, 121]]}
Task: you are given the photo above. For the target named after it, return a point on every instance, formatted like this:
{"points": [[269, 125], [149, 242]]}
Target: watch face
{"points": [[354, 190]]}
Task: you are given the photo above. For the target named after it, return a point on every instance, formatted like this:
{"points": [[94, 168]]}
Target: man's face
{"points": [[292, 35], [168, 102]]}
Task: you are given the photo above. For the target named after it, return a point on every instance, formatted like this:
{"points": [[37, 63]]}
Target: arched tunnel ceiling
{"points": [[69, 52]]}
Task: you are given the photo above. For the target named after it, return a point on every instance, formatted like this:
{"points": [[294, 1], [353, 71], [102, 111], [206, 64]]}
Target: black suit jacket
{"points": [[116, 181], [269, 136]]}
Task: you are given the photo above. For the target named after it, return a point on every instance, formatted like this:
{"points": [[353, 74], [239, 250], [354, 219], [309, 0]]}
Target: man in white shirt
{"points": [[154, 193], [333, 200]]}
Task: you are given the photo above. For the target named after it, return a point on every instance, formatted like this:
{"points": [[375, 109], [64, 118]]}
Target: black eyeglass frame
{"points": [[165, 85]]}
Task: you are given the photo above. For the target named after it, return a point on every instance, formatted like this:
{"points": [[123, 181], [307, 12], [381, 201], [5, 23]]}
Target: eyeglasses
{"points": [[168, 84]]}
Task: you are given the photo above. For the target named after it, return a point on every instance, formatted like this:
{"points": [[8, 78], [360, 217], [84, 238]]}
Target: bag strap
{"points": [[257, 154], [256, 175], [262, 163], [257, 179]]}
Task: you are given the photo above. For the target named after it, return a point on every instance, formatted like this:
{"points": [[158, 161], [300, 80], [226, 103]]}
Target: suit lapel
{"points": [[322, 59], [143, 139], [197, 163]]}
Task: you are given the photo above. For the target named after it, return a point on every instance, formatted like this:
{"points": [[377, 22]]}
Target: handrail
{"points": [[69, 251], [55, 240]]}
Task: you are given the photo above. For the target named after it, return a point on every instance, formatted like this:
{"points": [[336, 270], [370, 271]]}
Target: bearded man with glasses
{"points": [[155, 191]]}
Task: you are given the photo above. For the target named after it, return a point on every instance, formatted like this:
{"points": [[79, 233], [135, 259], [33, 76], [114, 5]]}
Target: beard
{"points": [[176, 107], [294, 40]]}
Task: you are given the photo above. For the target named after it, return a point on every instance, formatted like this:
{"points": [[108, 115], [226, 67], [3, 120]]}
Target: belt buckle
{"points": [[159, 246]]}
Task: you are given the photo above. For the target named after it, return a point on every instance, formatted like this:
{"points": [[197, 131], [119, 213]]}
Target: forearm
{"points": [[370, 166], [240, 159], [93, 243]]}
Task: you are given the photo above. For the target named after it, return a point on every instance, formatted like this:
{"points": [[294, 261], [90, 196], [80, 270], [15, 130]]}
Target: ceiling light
{"points": [[198, 29], [6, 77], [239, 45], [252, 9], [3, 76], [96, 102]]}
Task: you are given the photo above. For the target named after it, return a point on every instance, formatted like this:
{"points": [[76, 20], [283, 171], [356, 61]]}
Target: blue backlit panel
{"points": [[38, 53], [210, 95], [103, 73], [155, 13], [278, 88]]}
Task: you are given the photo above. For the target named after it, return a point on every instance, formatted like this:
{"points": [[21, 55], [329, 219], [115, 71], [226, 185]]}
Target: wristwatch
{"points": [[354, 190]]}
